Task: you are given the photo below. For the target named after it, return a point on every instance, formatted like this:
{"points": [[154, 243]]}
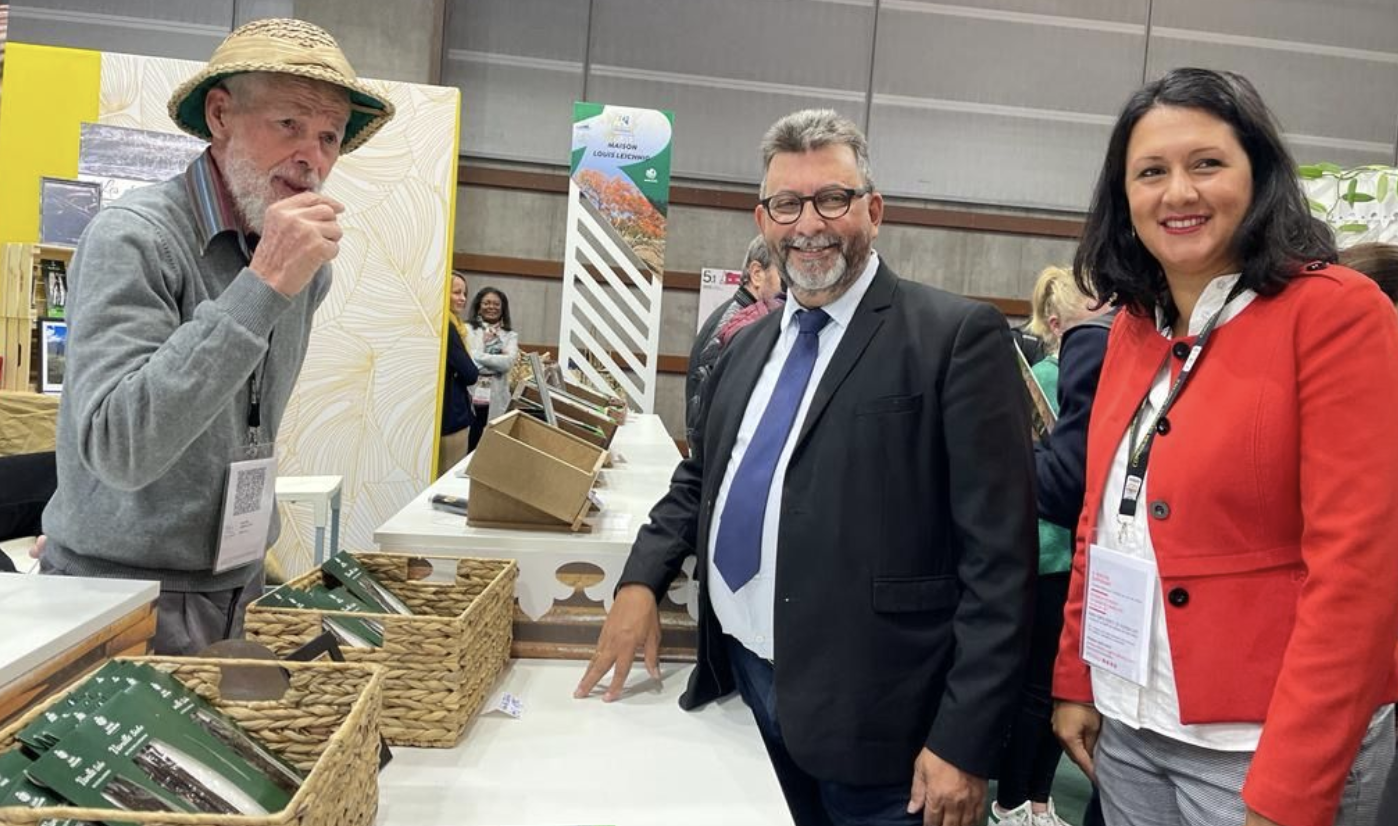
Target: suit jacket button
{"points": [[1163, 426], [1180, 350], [1159, 509], [1178, 597]]}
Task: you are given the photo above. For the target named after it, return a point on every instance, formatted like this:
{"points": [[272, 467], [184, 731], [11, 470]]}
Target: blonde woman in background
{"points": [[1031, 754], [461, 374]]}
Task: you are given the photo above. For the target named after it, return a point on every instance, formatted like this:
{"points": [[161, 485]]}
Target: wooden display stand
{"points": [[22, 304], [572, 413], [527, 475]]}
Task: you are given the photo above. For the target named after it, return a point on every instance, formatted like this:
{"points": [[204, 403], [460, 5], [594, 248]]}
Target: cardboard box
{"points": [[527, 475]]}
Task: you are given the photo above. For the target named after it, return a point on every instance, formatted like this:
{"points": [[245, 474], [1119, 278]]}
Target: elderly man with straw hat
{"points": [[190, 311]]}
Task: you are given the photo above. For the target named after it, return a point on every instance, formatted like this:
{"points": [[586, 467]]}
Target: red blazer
{"points": [[1277, 545]]}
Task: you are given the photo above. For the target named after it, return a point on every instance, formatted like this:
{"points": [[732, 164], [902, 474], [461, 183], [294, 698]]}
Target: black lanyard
{"points": [[255, 398], [1138, 452]]}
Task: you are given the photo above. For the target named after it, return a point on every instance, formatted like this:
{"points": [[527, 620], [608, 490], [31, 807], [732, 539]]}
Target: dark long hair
{"points": [[474, 315], [1276, 236]]}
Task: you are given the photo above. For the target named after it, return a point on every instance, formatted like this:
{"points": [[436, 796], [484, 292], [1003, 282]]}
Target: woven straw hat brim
{"points": [[368, 111]]}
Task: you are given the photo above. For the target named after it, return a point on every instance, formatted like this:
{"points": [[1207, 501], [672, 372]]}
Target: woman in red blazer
{"points": [[1228, 651]]}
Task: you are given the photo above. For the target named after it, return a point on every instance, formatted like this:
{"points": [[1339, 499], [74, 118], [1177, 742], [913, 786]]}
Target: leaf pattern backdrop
{"points": [[366, 403]]}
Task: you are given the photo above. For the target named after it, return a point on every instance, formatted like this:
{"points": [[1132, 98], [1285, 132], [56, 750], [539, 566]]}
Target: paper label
{"points": [[1118, 611], [248, 505], [507, 703]]}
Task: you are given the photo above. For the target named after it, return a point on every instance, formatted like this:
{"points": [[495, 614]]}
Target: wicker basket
{"points": [[327, 724], [441, 663]]}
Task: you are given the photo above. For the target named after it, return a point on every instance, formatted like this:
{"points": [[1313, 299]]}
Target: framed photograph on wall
{"points": [[65, 209], [54, 357]]}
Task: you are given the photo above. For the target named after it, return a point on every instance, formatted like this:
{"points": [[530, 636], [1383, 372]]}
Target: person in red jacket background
{"points": [[1228, 651]]}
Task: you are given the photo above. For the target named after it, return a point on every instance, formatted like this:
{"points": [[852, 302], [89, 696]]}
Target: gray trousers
{"points": [[1147, 779], [187, 622]]}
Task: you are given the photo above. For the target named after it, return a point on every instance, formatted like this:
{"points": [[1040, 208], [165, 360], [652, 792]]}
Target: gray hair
{"points": [[757, 251], [811, 129]]}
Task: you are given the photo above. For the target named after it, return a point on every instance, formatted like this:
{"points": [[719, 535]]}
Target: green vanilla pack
{"points": [[17, 790], [104, 683], [150, 750], [357, 632], [346, 570]]}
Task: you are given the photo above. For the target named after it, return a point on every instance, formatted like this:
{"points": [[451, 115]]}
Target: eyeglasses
{"points": [[832, 203]]}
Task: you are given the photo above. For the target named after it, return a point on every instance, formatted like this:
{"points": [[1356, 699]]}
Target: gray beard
{"points": [[837, 277]]}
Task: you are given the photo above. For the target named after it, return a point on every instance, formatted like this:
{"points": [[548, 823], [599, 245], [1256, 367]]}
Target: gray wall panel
{"points": [[717, 130], [1311, 94], [518, 64], [1006, 63], [515, 112], [163, 29], [1116, 11], [969, 156], [1355, 24], [797, 42], [554, 29]]}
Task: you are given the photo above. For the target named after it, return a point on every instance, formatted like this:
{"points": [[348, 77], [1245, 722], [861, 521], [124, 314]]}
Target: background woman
{"points": [[1025, 776], [461, 374], [494, 345], [1249, 497]]}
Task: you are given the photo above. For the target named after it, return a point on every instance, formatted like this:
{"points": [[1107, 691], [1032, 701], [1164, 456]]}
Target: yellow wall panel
{"points": [[48, 92]]}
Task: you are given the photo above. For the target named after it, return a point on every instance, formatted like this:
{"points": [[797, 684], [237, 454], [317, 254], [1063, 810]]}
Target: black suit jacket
{"points": [[907, 544]]}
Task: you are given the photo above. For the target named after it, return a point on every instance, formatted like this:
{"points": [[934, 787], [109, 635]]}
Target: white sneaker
{"points": [[1021, 815], [1048, 818]]}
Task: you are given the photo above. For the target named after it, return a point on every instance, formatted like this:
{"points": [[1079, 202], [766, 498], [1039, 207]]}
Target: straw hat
{"points": [[289, 47]]}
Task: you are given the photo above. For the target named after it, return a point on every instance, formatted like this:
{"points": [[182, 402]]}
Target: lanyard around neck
{"points": [[1139, 443]]}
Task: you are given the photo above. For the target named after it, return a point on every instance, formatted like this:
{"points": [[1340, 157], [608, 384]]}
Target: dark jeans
{"points": [[813, 802], [1031, 755], [27, 482], [480, 413]]}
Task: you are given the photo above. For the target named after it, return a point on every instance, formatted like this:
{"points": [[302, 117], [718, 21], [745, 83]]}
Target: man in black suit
{"points": [[860, 498]]}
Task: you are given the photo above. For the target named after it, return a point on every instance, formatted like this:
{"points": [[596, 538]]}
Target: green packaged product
{"points": [[358, 632], [150, 750], [345, 569]]}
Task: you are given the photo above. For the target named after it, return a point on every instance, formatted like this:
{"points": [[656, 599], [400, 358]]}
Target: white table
{"points": [[639, 761], [323, 493], [645, 457], [56, 626]]}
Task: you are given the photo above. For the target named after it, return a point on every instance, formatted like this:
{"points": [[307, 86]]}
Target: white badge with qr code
{"points": [[248, 505]]}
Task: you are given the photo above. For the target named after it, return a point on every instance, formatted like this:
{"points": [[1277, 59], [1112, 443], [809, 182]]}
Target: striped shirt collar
{"points": [[214, 213]]}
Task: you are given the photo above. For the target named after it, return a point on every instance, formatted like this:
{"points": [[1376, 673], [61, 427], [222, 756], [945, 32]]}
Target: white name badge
{"points": [[1118, 610], [248, 504]]}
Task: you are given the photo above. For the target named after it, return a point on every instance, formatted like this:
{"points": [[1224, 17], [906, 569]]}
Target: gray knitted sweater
{"points": [[165, 332]]}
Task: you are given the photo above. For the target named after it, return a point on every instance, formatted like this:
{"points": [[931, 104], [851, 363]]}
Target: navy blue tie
{"points": [[738, 550]]}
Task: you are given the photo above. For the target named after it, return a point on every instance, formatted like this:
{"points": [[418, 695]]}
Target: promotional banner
{"points": [[621, 162], [715, 287]]}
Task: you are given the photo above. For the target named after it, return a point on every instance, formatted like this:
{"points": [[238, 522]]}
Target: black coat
{"points": [[461, 374], [907, 543], [704, 354], [1060, 459]]}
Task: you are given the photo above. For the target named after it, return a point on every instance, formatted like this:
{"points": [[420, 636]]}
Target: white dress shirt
{"points": [[1156, 705], [747, 615]]}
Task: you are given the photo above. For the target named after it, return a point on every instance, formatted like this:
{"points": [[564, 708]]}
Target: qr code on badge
{"points": [[248, 497]]}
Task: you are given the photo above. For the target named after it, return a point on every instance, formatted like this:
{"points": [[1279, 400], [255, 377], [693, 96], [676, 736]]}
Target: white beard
{"points": [[252, 189]]}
